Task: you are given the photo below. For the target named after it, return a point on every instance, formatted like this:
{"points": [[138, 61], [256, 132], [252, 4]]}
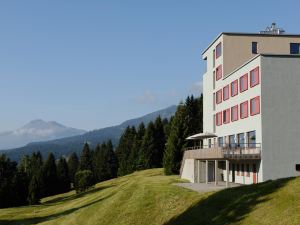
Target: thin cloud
{"points": [[197, 88], [147, 98]]}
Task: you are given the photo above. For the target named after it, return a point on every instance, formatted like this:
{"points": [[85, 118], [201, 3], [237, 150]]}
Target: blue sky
{"points": [[92, 64]]}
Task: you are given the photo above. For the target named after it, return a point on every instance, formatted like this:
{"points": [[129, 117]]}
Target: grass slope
{"points": [[148, 197]]}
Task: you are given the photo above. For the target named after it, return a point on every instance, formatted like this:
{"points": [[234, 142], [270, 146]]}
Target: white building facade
{"points": [[251, 96]]}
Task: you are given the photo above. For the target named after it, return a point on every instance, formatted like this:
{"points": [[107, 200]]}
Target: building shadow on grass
{"points": [[36, 220], [228, 206]]}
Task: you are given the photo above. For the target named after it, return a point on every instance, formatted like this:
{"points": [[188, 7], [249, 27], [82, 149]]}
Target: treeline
{"points": [[160, 144], [35, 178]]}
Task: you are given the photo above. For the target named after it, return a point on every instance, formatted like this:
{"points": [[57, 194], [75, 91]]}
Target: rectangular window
{"points": [[232, 141], [219, 72], [234, 113], [214, 121], [220, 141], [241, 140], [219, 119], [214, 102], [244, 110], [298, 167], [242, 169], [234, 88], [219, 96], [254, 47], [214, 59], [237, 169], [254, 77], [218, 50], [295, 48], [214, 80], [244, 82], [251, 136], [247, 170], [226, 93], [255, 106], [226, 116]]}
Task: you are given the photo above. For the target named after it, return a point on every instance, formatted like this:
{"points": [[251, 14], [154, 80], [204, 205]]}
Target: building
{"points": [[251, 122]]}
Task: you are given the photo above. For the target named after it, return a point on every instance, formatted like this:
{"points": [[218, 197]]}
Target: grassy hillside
{"points": [[148, 197]]}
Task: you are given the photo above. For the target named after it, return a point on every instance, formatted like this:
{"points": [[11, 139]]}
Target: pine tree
{"points": [[136, 153], [111, 160], [86, 158], [148, 146], [34, 191], [73, 163], [99, 162], [175, 144], [63, 176], [50, 176]]}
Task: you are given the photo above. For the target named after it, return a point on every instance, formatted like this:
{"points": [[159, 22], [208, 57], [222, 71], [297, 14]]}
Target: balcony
{"points": [[234, 151]]}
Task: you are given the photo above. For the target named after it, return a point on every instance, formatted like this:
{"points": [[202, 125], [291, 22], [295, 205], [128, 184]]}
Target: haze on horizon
{"points": [[97, 64]]}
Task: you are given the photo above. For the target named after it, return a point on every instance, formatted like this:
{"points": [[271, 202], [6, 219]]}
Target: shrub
{"points": [[83, 181]]}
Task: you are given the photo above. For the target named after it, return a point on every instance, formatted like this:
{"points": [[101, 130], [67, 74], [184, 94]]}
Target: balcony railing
{"points": [[226, 151]]}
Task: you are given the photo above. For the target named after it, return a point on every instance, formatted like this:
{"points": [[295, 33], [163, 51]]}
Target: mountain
{"points": [[65, 146], [36, 131]]}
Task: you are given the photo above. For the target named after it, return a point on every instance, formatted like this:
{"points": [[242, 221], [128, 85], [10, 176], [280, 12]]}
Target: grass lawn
{"points": [[148, 197]]}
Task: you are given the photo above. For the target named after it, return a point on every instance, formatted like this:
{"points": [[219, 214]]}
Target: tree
{"points": [[73, 164], [86, 158], [112, 161], [135, 157], [124, 150], [34, 191], [63, 176], [50, 176], [83, 181], [99, 162], [175, 144]]}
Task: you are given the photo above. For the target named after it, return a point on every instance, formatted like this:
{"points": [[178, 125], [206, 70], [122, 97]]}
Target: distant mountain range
{"points": [[64, 146], [36, 130]]}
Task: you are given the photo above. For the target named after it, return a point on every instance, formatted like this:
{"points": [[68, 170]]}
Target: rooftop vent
{"points": [[273, 29]]}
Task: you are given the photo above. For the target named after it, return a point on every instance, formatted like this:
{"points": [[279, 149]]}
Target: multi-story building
{"points": [[251, 107]]}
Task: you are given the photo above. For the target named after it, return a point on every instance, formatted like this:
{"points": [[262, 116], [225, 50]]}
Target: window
{"points": [[226, 93], [247, 170], [219, 72], [219, 96], [234, 113], [255, 106], [244, 110], [244, 82], [238, 169], [214, 102], [254, 77], [298, 167], [232, 141], [214, 60], [295, 48], [218, 50], [254, 47], [242, 169], [219, 119], [251, 136], [209, 143], [220, 141], [241, 140], [214, 80], [234, 88], [226, 116]]}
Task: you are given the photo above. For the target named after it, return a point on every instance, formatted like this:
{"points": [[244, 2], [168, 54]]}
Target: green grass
{"points": [[148, 197]]}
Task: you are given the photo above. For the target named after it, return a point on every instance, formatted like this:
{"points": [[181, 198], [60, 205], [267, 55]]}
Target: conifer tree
{"points": [[73, 163], [136, 153], [50, 176], [63, 176], [111, 160], [34, 191], [86, 158]]}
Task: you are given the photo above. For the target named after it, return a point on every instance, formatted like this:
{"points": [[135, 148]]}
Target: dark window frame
{"points": [[254, 47], [295, 48]]}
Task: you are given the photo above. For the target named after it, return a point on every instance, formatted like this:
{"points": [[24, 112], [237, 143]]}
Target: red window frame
{"points": [[244, 82], [219, 72], [225, 88], [234, 89], [241, 106], [219, 50], [234, 110], [255, 73], [219, 96], [257, 106], [227, 113], [219, 119]]}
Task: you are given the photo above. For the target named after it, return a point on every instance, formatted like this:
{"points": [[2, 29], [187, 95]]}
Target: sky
{"points": [[93, 64]]}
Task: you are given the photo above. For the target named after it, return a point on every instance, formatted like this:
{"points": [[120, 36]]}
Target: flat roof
{"points": [[249, 34]]}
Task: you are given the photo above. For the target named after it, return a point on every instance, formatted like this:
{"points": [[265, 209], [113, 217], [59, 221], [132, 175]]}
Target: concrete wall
{"points": [[280, 116], [238, 48], [188, 171]]}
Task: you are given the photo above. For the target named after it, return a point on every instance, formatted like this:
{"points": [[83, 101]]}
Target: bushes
{"points": [[83, 181]]}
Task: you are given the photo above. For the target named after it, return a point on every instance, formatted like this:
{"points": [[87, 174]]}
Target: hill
{"points": [[149, 197], [36, 130], [67, 145]]}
